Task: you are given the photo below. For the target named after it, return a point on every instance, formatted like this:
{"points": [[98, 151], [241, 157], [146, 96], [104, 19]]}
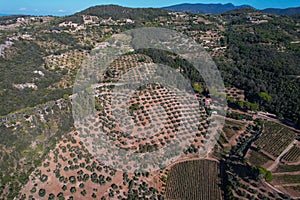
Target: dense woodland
{"points": [[261, 58]]}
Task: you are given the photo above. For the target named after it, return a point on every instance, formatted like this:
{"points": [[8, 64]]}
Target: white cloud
{"points": [[61, 10], [22, 9]]}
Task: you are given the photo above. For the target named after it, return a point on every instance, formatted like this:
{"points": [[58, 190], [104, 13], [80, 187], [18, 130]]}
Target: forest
{"points": [[262, 59]]}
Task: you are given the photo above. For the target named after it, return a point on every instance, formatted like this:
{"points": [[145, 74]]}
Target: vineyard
{"points": [[286, 176], [194, 180], [292, 155], [275, 139], [242, 177], [288, 168]]}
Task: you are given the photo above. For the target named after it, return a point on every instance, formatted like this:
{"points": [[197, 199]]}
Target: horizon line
{"points": [[58, 14]]}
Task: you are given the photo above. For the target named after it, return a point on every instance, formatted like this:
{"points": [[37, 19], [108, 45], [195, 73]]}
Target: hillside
{"points": [[204, 8], [287, 11], [262, 55], [45, 155], [117, 12], [222, 8]]}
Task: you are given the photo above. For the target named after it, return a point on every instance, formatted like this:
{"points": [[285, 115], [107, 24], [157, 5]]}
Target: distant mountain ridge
{"points": [[287, 11], [200, 8], [205, 8]]}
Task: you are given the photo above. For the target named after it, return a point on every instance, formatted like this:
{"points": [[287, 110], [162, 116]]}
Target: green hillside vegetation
{"points": [[27, 136], [20, 70], [262, 60], [118, 12]]}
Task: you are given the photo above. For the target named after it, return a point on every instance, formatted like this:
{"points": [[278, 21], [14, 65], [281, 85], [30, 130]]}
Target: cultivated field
{"points": [[258, 158], [71, 172], [275, 139], [292, 155], [147, 118], [194, 180]]}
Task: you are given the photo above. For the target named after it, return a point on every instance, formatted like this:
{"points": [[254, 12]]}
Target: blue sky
{"points": [[65, 7]]}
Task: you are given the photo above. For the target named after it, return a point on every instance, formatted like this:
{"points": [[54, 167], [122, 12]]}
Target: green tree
{"points": [[241, 104], [197, 88], [265, 96], [73, 190], [42, 192]]}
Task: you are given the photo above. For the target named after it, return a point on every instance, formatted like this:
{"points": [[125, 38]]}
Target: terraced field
{"points": [[275, 139], [232, 127], [288, 168], [292, 155], [286, 179], [258, 158]]}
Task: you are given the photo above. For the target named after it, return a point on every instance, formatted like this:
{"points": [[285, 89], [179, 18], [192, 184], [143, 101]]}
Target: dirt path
{"points": [[288, 184], [272, 187], [289, 173], [263, 115]]}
